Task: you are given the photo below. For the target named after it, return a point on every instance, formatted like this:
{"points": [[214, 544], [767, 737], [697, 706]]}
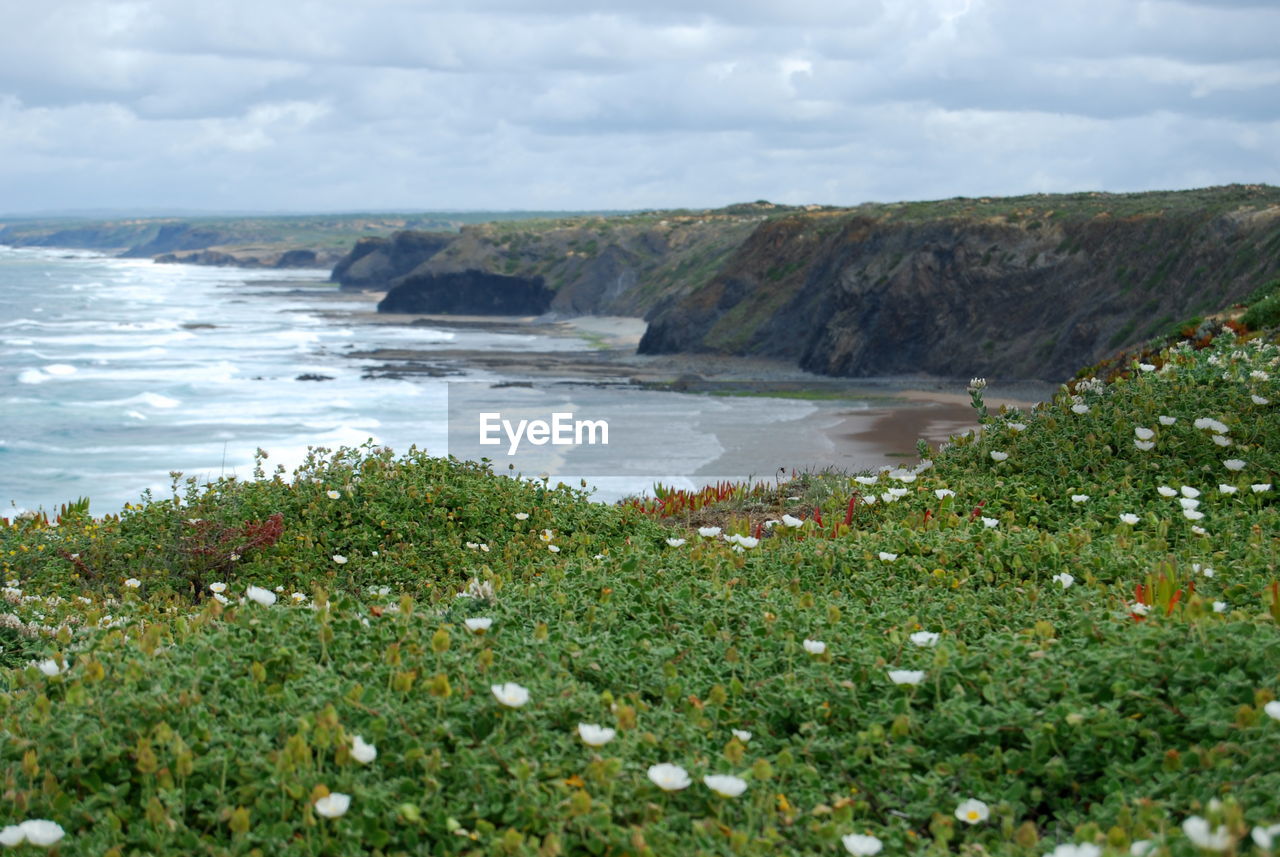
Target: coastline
{"points": [[844, 423]]}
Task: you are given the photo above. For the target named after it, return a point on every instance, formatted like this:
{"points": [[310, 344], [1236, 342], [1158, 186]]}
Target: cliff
{"points": [[1027, 287], [618, 265], [1033, 287]]}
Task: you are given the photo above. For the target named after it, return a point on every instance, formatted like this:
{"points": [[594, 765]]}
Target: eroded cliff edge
{"points": [[1030, 287]]}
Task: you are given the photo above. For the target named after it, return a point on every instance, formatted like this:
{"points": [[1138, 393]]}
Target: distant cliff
{"points": [[594, 265], [1025, 287], [1033, 288]]}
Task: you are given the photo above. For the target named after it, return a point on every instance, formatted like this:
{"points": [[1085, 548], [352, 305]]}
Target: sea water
{"points": [[117, 373]]}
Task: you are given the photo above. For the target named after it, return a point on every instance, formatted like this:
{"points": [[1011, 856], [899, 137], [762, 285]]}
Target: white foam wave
{"points": [[32, 376], [60, 369]]}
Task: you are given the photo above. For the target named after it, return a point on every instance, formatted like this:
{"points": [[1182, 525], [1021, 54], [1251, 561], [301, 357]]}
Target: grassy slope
{"points": [[193, 728]]}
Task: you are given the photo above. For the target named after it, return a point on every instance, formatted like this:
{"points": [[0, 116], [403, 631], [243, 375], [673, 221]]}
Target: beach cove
{"points": [[119, 372]]}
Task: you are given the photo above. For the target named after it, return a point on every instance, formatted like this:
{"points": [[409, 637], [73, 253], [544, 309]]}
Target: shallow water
{"points": [[115, 372]]}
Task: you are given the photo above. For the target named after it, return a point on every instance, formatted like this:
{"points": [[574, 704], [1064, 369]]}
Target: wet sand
{"points": [[846, 423]]}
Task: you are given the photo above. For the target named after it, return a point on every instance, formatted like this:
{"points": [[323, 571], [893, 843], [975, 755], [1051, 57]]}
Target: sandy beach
{"points": [[845, 423]]}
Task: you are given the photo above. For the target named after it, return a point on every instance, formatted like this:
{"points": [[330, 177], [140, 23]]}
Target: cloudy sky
{"points": [[565, 104]]}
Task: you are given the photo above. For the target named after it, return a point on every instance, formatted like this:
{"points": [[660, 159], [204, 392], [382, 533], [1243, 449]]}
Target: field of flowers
{"points": [[1061, 636]]}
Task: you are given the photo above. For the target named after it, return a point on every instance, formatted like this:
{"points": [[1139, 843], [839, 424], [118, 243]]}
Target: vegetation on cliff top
{"points": [[1065, 630]]}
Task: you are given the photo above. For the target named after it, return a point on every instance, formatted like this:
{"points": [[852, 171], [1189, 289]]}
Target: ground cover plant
{"points": [[1062, 635]]}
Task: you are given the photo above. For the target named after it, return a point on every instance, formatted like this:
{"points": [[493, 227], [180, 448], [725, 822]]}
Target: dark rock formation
{"points": [[468, 293], [173, 238], [380, 263]]}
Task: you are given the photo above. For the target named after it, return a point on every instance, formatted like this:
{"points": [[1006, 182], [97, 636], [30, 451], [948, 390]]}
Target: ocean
{"points": [[118, 372]]}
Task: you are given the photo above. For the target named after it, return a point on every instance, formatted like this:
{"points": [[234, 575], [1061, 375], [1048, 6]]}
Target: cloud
{"points": [[315, 104]]}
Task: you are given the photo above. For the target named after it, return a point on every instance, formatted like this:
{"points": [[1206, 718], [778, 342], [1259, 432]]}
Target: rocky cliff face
{"points": [[590, 265], [468, 293], [381, 263], [1023, 294]]}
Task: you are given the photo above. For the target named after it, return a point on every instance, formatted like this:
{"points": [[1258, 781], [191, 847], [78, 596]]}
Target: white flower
{"points": [[1144, 433], [1212, 425], [595, 736], [133, 583], [1079, 498], [363, 752], [1080, 408], [1233, 464], [339, 559], [1219, 607], [51, 667], [902, 476], [869, 500], [217, 587], [1145, 367], [1145, 445], [1192, 515], [1017, 426], [1188, 502], [998, 456], [1168, 421], [1199, 531], [1141, 848], [553, 548], [1065, 579], [1199, 832], [972, 811], [976, 384], [334, 805], [861, 846], [522, 516], [220, 598], [906, 676], [1166, 491], [477, 626], [1258, 487], [1129, 518], [866, 480], [815, 647], [675, 543], [298, 597], [924, 638], [743, 541], [1260, 400], [741, 734], [1272, 709], [990, 523], [1227, 489], [1140, 609], [888, 557], [1070, 849], [1265, 837], [334, 495], [791, 521], [1202, 569], [546, 535], [12, 836], [1188, 491], [943, 493], [510, 694], [669, 777], [897, 493], [265, 597], [725, 785], [1259, 375], [38, 831], [708, 532], [1221, 441]]}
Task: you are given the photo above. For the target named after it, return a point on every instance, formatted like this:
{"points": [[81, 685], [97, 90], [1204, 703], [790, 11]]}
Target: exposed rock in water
{"points": [[468, 293], [311, 376]]}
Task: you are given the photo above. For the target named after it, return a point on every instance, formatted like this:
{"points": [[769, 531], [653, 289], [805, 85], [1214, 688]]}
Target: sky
{"points": [[382, 105]]}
